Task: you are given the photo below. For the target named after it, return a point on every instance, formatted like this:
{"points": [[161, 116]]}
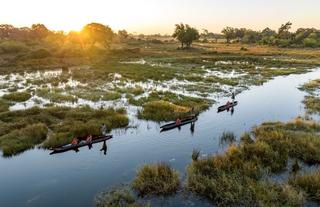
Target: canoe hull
{"points": [[66, 148], [226, 107], [174, 125]]}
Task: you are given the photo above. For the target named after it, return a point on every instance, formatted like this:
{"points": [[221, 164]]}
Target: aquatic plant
{"points": [[118, 197], [227, 137], [195, 154], [156, 179]]}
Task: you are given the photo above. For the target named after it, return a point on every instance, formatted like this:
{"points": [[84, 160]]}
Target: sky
{"points": [[160, 16]]}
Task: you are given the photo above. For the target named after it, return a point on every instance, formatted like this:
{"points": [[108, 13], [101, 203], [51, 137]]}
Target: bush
{"points": [[17, 96], [40, 53], [156, 179], [12, 47], [310, 42]]}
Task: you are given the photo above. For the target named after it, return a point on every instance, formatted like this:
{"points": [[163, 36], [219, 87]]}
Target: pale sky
{"points": [[159, 16]]}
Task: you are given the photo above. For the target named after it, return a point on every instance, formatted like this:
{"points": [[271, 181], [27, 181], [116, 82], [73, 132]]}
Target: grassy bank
{"points": [[22, 130]]}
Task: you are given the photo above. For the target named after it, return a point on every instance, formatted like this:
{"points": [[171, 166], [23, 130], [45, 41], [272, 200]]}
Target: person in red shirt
{"points": [[74, 141], [178, 121]]}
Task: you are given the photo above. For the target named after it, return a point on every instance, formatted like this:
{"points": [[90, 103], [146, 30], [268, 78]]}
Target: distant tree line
{"points": [[303, 37]]}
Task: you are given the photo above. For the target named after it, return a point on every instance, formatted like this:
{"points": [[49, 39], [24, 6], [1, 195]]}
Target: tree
{"points": [[123, 34], [283, 32], [95, 32], [185, 34], [267, 32], [239, 33], [229, 33], [39, 31]]}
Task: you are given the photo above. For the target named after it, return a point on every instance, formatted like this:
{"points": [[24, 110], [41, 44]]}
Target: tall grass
{"points": [[309, 183], [156, 179], [119, 197], [20, 140]]}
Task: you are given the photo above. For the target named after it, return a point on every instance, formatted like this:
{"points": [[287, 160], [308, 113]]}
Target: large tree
{"points": [[39, 31], [229, 33], [95, 32], [185, 34]]}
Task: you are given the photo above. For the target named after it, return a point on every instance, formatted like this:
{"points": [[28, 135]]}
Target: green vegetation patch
{"points": [[120, 197], [166, 106], [312, 101], [17, 96], [56, 96], [309, 183], [64, 124], [156, 179], [236, 177], [20, 140]]}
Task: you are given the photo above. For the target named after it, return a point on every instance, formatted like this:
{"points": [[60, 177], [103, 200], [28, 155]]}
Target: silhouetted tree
{"points": [[95, 32]]}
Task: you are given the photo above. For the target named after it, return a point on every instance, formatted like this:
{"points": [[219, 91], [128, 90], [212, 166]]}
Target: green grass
{"points": [[120, 197], [23, 139], [64, 123], [236, 178], [56, 97], [167, 106], [309, 183], [156, 179], [17, 96]]}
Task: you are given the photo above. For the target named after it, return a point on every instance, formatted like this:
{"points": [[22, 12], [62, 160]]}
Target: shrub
{"points": [[12, 47], [40, 53], [156, 179], [310, 42]]}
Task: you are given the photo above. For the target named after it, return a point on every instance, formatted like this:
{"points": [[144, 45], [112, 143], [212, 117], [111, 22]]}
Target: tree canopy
{"points": [[185, 34], [95, 32]]}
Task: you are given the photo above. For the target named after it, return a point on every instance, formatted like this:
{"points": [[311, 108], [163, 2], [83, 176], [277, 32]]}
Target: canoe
{"points": [[68, 147], [174, 125], [225, 107]]}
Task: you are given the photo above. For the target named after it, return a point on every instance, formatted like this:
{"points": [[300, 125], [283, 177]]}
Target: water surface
{"points": [[36, 178]]}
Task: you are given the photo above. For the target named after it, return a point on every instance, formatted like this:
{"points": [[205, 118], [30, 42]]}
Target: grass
{"points": [[56, 96], [156, 179], [23, 139], [195, 154], [64, 123], [167, 106], [227, 137], [17, 96], [312, 101], [4, 105], [119, 197], [309, 183], [237, 177]]}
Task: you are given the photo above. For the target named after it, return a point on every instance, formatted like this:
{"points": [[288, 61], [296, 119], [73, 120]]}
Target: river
{"points": [[71, 179]]}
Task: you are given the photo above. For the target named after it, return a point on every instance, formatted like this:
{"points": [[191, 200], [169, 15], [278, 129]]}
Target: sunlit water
{"points": [[36, 178]]}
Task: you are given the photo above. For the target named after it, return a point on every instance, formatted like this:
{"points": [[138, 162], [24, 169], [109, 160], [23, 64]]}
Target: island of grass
{"points": [[24, 129], [17, 96], [167, 106], [156, 179], [312, 100]]}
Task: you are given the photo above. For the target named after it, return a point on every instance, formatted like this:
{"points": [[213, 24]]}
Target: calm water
{"points": [[35, 178]]}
